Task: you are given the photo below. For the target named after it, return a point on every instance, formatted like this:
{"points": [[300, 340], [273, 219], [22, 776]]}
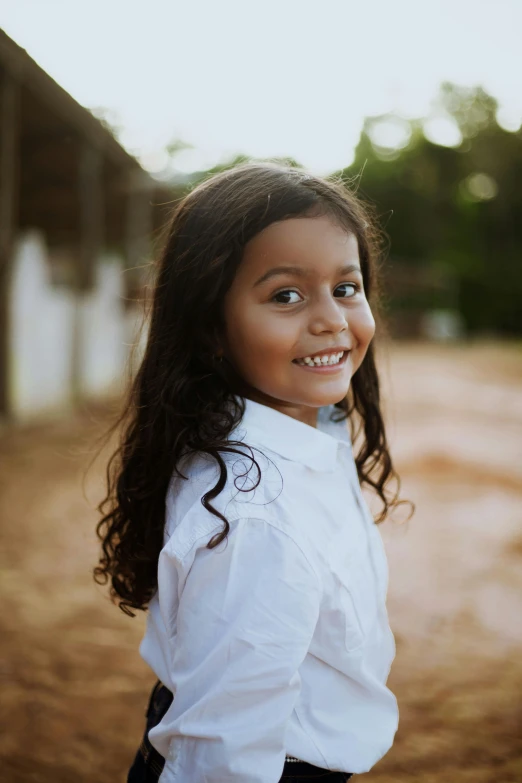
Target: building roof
{"points": [[64, 108]]}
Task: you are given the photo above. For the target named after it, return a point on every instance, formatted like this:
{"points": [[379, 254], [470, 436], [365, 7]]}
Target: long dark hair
{"points": [[181, 400]]}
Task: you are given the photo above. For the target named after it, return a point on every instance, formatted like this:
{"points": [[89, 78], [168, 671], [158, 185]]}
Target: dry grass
{"points": [[74, 687]]}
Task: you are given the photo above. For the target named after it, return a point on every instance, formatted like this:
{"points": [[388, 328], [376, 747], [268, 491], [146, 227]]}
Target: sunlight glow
{"points": [[480, 187], [510, 118], [391, 133], [442, 131], [288, 79]]}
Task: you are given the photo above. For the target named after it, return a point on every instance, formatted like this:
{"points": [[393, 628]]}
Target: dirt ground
{"points": [[74, 687]]}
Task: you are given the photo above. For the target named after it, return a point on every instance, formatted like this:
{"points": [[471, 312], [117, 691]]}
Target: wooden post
{"points": [[92, 212], [138, 220], [91, 240], [9, 186], [138, 231]]}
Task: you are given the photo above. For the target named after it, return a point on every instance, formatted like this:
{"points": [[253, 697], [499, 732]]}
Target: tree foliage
{"points": [[454, 210]]}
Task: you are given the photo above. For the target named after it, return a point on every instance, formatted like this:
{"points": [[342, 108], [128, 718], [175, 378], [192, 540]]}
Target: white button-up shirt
{"points": [[276, 641]]}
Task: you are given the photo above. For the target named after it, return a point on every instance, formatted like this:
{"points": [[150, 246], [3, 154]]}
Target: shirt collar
{"points": [[315, 447]]}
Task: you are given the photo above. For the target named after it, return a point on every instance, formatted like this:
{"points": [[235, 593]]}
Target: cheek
{"points": [[367, 326], [252, 333], [363, 328]]}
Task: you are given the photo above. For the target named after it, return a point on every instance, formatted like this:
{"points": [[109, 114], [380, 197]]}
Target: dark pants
{"points": [[148, 763]]}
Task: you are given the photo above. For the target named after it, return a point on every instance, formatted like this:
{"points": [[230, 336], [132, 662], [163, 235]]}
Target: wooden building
{"points": [[72, 202]]}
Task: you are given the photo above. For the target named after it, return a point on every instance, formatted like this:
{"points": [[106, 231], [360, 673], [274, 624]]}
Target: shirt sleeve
{"points": [[245, 621]]}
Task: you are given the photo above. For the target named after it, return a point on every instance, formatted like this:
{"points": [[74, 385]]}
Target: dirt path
{"points": [[73, 684]]}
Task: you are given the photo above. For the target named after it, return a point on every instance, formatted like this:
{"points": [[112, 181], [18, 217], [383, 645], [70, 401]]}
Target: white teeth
{"points": [[316, 361]]}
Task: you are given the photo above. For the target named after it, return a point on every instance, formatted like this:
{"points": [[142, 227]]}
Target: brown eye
{"points": [[286, 293], [353, 286]]}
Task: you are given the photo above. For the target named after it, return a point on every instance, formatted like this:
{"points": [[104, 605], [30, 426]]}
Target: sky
{"points": [[270, 77]]}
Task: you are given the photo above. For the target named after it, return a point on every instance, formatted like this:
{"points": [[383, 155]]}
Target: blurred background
{"points": [[110, 111]]}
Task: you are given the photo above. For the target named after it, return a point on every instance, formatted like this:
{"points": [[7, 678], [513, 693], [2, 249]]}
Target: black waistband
{"points": [[296, 769]]}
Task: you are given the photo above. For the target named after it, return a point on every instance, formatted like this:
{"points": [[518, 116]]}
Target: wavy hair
{"points": [[181, 400]]}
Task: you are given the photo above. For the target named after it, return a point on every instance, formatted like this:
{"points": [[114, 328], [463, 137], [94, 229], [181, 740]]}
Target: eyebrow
{"points": [[298, 271]]}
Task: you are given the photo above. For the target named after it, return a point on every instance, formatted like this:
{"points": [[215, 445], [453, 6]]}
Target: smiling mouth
{"points": [[324, 361]]}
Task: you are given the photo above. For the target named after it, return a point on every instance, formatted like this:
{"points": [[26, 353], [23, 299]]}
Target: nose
{"points": [[328, 316]]}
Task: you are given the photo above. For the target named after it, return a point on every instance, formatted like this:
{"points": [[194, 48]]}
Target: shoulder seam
{"points": [[219, 525]]}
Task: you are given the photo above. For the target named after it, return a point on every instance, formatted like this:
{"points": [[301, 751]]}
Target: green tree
{"points": [[454, 210]]}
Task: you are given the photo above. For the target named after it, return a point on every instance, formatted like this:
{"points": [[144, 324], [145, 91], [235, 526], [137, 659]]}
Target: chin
{"points": [[321, 400]]}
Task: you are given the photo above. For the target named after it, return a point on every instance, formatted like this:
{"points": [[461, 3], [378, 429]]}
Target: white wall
{"points": [[40, 333], [42, 323], [103, 331]]}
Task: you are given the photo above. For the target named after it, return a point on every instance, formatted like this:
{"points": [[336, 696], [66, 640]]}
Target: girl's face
{"points": [[298, 293]]}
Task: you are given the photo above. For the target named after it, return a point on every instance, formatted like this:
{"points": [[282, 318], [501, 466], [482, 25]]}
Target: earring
{"points": [[218, 359]]}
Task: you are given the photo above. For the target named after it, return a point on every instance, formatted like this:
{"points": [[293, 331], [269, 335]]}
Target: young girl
{"points": [[235, 514]]}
